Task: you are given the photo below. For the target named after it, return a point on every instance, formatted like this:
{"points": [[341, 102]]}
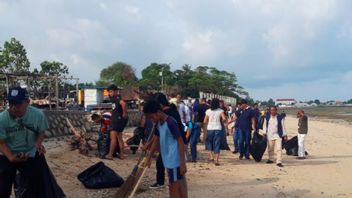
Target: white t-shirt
{"points": [[272, 130], [188, 114], [181, 110], [214, 116]]}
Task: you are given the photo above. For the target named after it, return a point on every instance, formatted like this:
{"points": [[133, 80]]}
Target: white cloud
{"points": [[103, 6], [261, 41], [132, 10], [325, 89]]}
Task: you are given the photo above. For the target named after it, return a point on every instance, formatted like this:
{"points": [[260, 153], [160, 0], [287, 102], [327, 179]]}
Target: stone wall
{"points": [[80, 119]]}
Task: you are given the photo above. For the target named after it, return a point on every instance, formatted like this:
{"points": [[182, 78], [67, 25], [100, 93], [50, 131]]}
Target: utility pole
{"points": [[49, 94], [162, 79], [77, 90], [57, 91]]}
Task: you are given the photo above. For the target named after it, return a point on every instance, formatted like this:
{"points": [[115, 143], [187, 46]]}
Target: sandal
{"points": [[109, 157]]}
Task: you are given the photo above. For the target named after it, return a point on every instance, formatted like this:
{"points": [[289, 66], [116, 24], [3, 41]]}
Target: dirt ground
{"points": [[326, 172]]}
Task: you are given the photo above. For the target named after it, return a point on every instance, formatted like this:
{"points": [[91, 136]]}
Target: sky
{"points": [[278, 49]]}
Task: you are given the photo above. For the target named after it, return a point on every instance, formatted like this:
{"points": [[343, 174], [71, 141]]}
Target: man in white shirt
{"points": [[188, 114], [181, 108], [275, 131]]}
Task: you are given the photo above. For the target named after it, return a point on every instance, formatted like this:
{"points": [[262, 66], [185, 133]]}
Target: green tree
{"points": [[151, 76], [270, 102], [210, 79], [53, 68], [40, 86], [13, 57], [349, 101], [185, 80], [118, 73], [316, 101]]}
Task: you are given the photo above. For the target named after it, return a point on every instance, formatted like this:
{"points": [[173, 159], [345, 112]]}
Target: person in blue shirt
{"points": [[169, 141], [236, 132], [192, 136], [256, 114], [21, 143], [246, 123]]}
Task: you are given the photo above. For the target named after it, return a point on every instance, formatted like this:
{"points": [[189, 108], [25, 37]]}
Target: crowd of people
{"points": [[172, 126], [175, 126]]}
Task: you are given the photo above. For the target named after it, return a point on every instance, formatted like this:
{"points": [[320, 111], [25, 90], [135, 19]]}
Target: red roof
{"points": [[287, 99]]}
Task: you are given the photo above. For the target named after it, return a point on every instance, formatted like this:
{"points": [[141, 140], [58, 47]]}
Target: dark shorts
{"points": [[119, 125], [174, 174]]}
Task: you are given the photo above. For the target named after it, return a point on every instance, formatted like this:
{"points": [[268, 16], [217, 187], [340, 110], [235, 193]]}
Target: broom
{"points": [[130, 186]]}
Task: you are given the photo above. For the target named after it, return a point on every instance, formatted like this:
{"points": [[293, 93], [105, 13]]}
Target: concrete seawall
{"points": [[80, 119]]}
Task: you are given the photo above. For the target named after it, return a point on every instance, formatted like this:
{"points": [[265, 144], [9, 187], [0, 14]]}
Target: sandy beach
{"points": [[326, 172]]}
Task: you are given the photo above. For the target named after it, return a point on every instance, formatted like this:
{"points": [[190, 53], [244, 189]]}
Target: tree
{"points": [[316, 101], [349, 101], [210, 79], [118, 73], [13, 57], [152, 79], [53, 68], [271, 102]]}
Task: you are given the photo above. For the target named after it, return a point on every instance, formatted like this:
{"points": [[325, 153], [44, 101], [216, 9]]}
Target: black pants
{"points": [[34, 173], [160, 171]]}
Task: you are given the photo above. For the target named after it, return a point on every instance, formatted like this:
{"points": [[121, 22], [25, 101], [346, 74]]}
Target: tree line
{"points": [[185, 80], [156, 76]]}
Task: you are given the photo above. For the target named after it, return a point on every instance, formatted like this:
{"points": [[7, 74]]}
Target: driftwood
{"points": [[81, 140]]}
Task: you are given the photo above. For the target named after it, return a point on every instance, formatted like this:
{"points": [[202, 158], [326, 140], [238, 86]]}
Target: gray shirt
{"points": [[303, 125]]}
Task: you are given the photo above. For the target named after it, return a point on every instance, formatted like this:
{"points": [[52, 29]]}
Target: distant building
{"points": [[302, 104], [285, 102]]}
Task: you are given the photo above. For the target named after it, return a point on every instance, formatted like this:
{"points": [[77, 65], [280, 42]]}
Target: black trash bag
{"points": [[224, 145], [43, 186], [135, 140], [103, 144], [100, 176], [261, 122], [291, 146], [258, 146]]}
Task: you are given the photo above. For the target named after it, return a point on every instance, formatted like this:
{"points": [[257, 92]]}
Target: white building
{"points": [[285, 102]]}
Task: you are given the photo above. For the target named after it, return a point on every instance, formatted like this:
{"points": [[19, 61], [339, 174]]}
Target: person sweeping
{"points": [[169, 141]]}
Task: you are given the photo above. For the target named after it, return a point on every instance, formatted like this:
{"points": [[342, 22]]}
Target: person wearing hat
{"points": [[119, 121], [21, 136]]}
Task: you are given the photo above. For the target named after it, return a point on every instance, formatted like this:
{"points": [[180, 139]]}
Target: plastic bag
{"points": [[135, 140], [100, 176], [43, 186], [103, 144], [258, 146], [291, 146], [224, 145]]}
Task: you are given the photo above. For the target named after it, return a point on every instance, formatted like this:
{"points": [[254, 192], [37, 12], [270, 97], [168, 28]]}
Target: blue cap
{"points": [[17, 95]]}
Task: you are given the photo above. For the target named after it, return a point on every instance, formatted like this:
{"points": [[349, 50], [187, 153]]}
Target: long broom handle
{"points": [[142, 159], [138, 183], [145, 152], [77, 133]]}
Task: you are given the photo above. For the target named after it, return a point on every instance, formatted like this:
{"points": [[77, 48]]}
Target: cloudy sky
{"points": [[280, 49]]}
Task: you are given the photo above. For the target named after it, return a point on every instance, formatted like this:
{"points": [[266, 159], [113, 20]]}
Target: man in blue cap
{"points": [[21, 136]]}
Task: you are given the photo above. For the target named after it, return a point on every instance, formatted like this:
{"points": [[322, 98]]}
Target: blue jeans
{"points": [[213, 141], [193, 141], [245, 139], [236, 139]]}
